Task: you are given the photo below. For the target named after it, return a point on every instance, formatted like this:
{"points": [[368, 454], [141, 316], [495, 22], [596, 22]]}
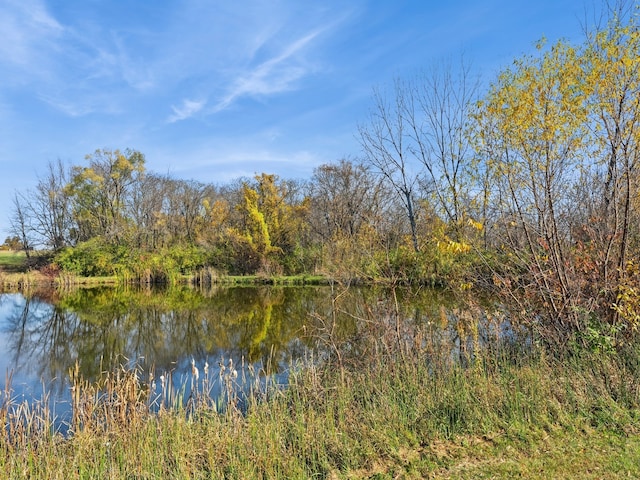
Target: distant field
{"points": [[11, 261]]}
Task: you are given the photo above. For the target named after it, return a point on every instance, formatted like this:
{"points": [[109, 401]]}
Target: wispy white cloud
{"points": [[210, 51], [71, 109], [186, 110], [77, 68], [29, 33], [109, 59], [136, 73], [275, 75]]}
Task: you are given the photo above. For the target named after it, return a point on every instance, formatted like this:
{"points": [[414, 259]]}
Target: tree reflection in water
{"points": [[101, 329]]}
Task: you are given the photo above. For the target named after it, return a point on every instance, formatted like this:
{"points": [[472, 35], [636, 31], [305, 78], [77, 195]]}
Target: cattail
{"points": [[194, 370], [206, 368], [232, 371]]}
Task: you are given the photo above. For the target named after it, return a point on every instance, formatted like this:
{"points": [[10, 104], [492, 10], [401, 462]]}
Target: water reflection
{"points": [[102, 326], [44, 335]]}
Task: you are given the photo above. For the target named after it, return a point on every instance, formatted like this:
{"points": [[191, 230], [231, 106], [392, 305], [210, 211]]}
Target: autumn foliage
{"points": [[528, 188]]}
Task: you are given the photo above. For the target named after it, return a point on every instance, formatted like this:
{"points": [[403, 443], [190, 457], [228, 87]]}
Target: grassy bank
{"points": [[15, 274], [379, 408], [18, 281], [274, 280]]}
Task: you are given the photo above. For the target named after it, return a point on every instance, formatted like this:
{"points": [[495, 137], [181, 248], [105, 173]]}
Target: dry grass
{"points": [[388, 406]]}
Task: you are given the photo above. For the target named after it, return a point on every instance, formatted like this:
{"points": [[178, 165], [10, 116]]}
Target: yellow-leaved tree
{"points": [[271, 221], [559, 132], [100, 193]]}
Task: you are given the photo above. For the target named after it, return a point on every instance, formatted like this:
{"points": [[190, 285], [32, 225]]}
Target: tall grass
{"points": [[391, 400]]}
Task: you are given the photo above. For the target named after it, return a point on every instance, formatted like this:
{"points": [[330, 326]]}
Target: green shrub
{"points": [[92, 258]]}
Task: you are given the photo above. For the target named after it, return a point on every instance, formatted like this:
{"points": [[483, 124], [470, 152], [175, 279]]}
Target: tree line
{"points": [[528, 187]]}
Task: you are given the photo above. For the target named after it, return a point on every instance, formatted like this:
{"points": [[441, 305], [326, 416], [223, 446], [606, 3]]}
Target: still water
{"points": [[44, 335]]}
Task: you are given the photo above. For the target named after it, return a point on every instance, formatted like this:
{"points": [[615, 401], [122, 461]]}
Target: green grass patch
{"points": [[70, 280], [12, 261], [274, 280]]}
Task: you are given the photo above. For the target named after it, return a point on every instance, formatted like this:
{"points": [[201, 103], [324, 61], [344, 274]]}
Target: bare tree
{"points": [[344, 197], [421, 141], [147, 209], [438, 114], [49, 207], [21, 224], [384, 143], [188, 197]]}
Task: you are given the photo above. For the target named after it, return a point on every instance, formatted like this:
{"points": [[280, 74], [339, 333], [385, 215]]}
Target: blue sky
{"points": [[213, 90]]}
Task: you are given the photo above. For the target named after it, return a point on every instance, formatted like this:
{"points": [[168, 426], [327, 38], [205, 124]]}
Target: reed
{"points": [[391, 405]]}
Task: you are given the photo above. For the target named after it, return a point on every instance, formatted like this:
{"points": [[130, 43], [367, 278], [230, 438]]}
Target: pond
{"points": [[169, 331]]}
